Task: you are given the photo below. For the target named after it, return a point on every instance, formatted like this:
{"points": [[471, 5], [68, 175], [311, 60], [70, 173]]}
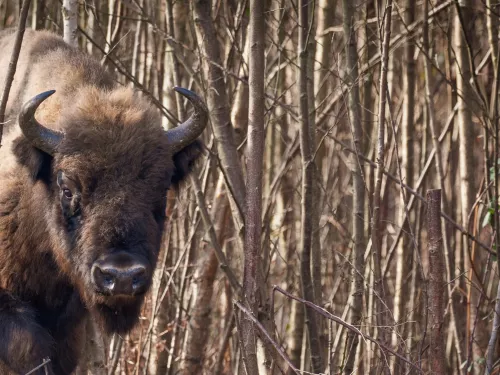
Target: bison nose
{"points": [[113, 278]]}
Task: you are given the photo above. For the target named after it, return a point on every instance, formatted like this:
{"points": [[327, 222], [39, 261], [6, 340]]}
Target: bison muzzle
{"points": [[84, 173]]}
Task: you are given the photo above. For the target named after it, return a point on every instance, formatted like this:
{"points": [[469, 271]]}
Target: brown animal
{"points": [[82, 200]]}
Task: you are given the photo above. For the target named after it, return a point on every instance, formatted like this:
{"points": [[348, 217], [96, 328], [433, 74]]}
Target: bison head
{"points": [[105, 174]]}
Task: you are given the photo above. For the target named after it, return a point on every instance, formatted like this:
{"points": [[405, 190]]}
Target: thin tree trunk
{"points": [[200, 317], [462, 32], [255, 159], [317, 256], [492, 24], [357, 272], [136, 49], [326, 16], [369, 105], [319, 71], [160, 315], [296, 334], [218, 105], [436, 283], [404, 253], [92, 25], [198, 327], [70, 21], [439, 169], [239, 111], [285, 200], [113, 30], [115, 352], [379, 303], [9, 78], [307, 188]]}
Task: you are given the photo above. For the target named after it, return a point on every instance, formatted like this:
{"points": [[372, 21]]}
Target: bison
{"points": [[84, 172]]}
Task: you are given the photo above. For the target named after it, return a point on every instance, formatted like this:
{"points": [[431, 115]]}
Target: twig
{"points": [[212, 235], [418, 184], [268, 336], [418, 196], [376, 59], [342, 322], [117, 64], [45, 362]]}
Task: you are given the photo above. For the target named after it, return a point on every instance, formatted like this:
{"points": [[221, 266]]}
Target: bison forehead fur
{"points": [[82, 200]]}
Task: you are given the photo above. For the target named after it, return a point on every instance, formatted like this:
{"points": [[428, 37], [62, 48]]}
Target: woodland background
{"points": [[329, 122]]}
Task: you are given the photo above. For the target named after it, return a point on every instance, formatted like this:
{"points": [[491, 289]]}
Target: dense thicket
{"points": [[329, 122]]}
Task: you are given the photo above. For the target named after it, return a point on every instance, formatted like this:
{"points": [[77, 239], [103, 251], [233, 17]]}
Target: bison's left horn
{"points": [[42, 138], [188, 131]]}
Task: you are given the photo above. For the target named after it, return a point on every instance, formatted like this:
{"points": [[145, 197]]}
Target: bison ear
{"points": [[37, 162], [184, 161]]}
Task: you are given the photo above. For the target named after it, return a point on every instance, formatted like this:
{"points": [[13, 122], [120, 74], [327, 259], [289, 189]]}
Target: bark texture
{"points": [[70, 22], [253, 217], [379, 303], [306, 148], [436, 283], [466, 100], [404, 253], [218, 105], [357, 272]]}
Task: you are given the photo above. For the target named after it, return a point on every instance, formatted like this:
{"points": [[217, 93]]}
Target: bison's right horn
{"points": [[42, 138], [188, 131]]}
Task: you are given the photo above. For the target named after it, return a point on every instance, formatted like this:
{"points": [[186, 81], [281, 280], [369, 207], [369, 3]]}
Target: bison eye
{"points": [[67, 193]]}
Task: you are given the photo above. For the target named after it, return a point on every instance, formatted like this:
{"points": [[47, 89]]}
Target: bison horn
{"points": [[42, 138], [188, 131]]}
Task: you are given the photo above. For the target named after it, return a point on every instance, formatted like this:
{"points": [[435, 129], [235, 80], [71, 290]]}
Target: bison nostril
{"points": [[104, 279], [138, 280], [108, 279]]}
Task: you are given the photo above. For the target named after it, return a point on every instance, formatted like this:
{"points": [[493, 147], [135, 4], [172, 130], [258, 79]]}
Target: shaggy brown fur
{"points": [[116, 161]]}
